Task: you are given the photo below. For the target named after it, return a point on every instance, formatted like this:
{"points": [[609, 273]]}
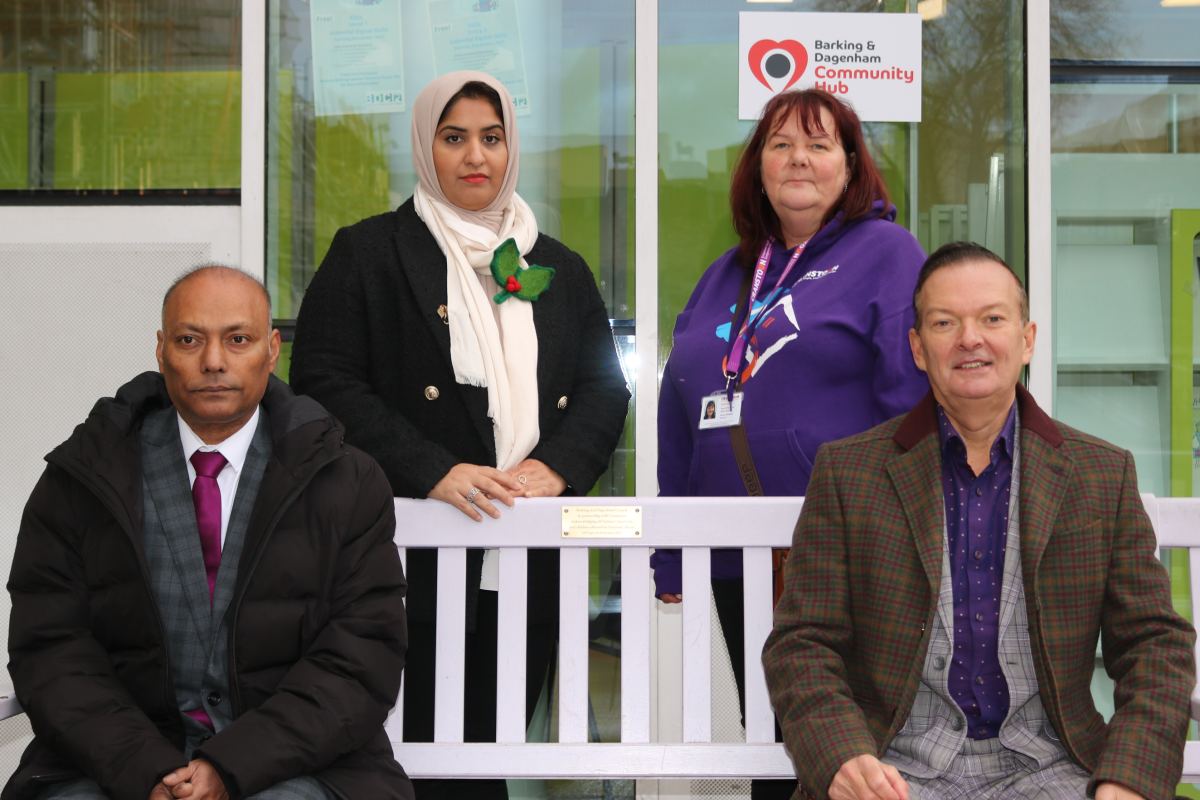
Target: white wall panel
{"points": [[82, 293]]}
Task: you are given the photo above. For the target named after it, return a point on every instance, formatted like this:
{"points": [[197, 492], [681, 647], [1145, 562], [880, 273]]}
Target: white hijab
{"points": [[490, 346]]}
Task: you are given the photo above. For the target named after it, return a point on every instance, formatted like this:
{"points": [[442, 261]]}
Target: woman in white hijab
{"points": [[472, 357]]}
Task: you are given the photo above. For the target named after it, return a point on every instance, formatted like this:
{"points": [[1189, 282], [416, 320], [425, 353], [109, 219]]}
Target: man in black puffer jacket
{"points": [[207, 602]]}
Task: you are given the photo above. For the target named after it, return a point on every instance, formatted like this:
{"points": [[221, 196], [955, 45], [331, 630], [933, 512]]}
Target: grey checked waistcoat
{"points": [[935, 730], [196, 630]]}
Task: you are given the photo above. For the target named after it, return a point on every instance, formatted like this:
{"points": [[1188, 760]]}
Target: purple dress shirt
{"points": [[977, 531]]}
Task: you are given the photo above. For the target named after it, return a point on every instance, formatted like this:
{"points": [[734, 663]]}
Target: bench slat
{"points": [[636, 592], [1178, 522], [394, 724], [1194, 579], [510, 658], [1150, 502], [697, 645], [573, 645], [757, 610], [451, 644], [594, 761], [1191, 763]]}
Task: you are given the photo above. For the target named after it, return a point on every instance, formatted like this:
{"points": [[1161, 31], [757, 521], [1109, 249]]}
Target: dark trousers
{"points": [[479, 700], [730, 601]]}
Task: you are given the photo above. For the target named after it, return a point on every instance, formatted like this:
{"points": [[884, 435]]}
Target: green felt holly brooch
{"points": [[526, 284]]}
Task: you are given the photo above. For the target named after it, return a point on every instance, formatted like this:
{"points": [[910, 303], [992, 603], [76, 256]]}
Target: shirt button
{"points": [[214, 699], [982, 732], [978, 554], [979, 681], [431, 393], [979, 491], [979, 617], [939, 662], [562, 402]]}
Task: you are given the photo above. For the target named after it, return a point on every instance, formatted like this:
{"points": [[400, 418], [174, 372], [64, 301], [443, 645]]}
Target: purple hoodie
{"points": [[829, 359]]}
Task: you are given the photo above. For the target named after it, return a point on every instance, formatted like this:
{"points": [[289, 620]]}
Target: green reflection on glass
{"points": [[14, 128], [148, 130], [120, 96]]}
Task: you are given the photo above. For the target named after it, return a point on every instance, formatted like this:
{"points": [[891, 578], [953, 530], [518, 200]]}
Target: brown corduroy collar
{"points": [[922, 421]]}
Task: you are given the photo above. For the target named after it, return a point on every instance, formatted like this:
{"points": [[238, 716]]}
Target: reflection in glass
{"points": [[120, 95], [1123, 30], [326, 172], [1125, 118], [957, 175]]}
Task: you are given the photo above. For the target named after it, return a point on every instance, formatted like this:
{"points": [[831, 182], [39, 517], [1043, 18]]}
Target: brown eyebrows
{"points": [[995, 307], [457, 129], [992, 309]]}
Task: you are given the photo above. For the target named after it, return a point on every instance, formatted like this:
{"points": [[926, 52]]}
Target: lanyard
{"points": [[734, 361]]}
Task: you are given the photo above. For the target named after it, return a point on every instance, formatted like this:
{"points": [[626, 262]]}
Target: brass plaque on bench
{"points": [[601, 522]]}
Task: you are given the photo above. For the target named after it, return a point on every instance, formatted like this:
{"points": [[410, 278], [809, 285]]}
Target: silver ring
{"points": [[471, 495], [521, 479]]}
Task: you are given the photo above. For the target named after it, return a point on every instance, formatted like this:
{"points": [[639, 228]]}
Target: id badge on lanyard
{"points": [[737, 350], [719, 411]]}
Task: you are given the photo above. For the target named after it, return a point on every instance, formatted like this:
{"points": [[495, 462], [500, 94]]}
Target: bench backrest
{"points": [[694, 524]]}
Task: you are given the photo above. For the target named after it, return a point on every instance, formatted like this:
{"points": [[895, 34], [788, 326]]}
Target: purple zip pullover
{"points": [[830, 358]]}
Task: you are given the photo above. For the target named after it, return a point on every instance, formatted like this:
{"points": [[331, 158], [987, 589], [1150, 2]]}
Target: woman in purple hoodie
{"points": [[827, 277]]}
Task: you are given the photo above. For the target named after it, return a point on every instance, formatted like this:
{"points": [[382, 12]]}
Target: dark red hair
{"points": [[753, 217]]}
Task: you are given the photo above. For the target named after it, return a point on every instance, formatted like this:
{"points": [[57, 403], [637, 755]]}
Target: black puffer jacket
{"points": [[317, 634]]}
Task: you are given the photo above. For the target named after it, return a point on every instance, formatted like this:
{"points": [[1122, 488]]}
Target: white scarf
{"points": [[503, 358]]}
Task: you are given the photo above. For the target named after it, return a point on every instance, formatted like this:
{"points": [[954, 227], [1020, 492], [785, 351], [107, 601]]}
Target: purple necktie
{"points": [[206, 494]]}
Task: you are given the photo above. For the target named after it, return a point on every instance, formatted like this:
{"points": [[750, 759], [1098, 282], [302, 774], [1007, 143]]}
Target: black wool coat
{"points": [[317, 632], [371, 347]]}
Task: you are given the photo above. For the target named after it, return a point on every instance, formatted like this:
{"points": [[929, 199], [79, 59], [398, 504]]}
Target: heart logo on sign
{"points": [[776, 65]]}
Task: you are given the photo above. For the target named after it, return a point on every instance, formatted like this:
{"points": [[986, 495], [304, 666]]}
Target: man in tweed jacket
{"points": [[951, 574]]}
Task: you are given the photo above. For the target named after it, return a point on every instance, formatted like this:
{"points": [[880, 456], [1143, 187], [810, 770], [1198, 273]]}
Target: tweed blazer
{"points": [[844, 660], [371, 347]]}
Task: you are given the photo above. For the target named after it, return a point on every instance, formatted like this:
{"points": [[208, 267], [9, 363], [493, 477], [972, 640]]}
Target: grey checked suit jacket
{"points": [[197, 631]]}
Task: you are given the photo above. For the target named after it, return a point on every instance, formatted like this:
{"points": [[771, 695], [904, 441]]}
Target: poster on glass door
{"points": [[872, 61], [482, 35], [358, 58]]}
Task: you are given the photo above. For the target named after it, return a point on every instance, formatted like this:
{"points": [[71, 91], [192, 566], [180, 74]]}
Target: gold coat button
{"points": [[431, 393], [562, 402]]}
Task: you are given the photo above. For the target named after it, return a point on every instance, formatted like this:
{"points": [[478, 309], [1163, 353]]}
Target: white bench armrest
{"points": [[9, 707], [1196, 703]]}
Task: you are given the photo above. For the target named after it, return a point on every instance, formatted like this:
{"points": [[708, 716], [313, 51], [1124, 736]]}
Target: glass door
{"points": [[1125, 116], [569, 65], [957, 175]]}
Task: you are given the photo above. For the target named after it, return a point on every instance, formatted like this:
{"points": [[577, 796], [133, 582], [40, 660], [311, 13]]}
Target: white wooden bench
{"points": [[693, 524]]}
